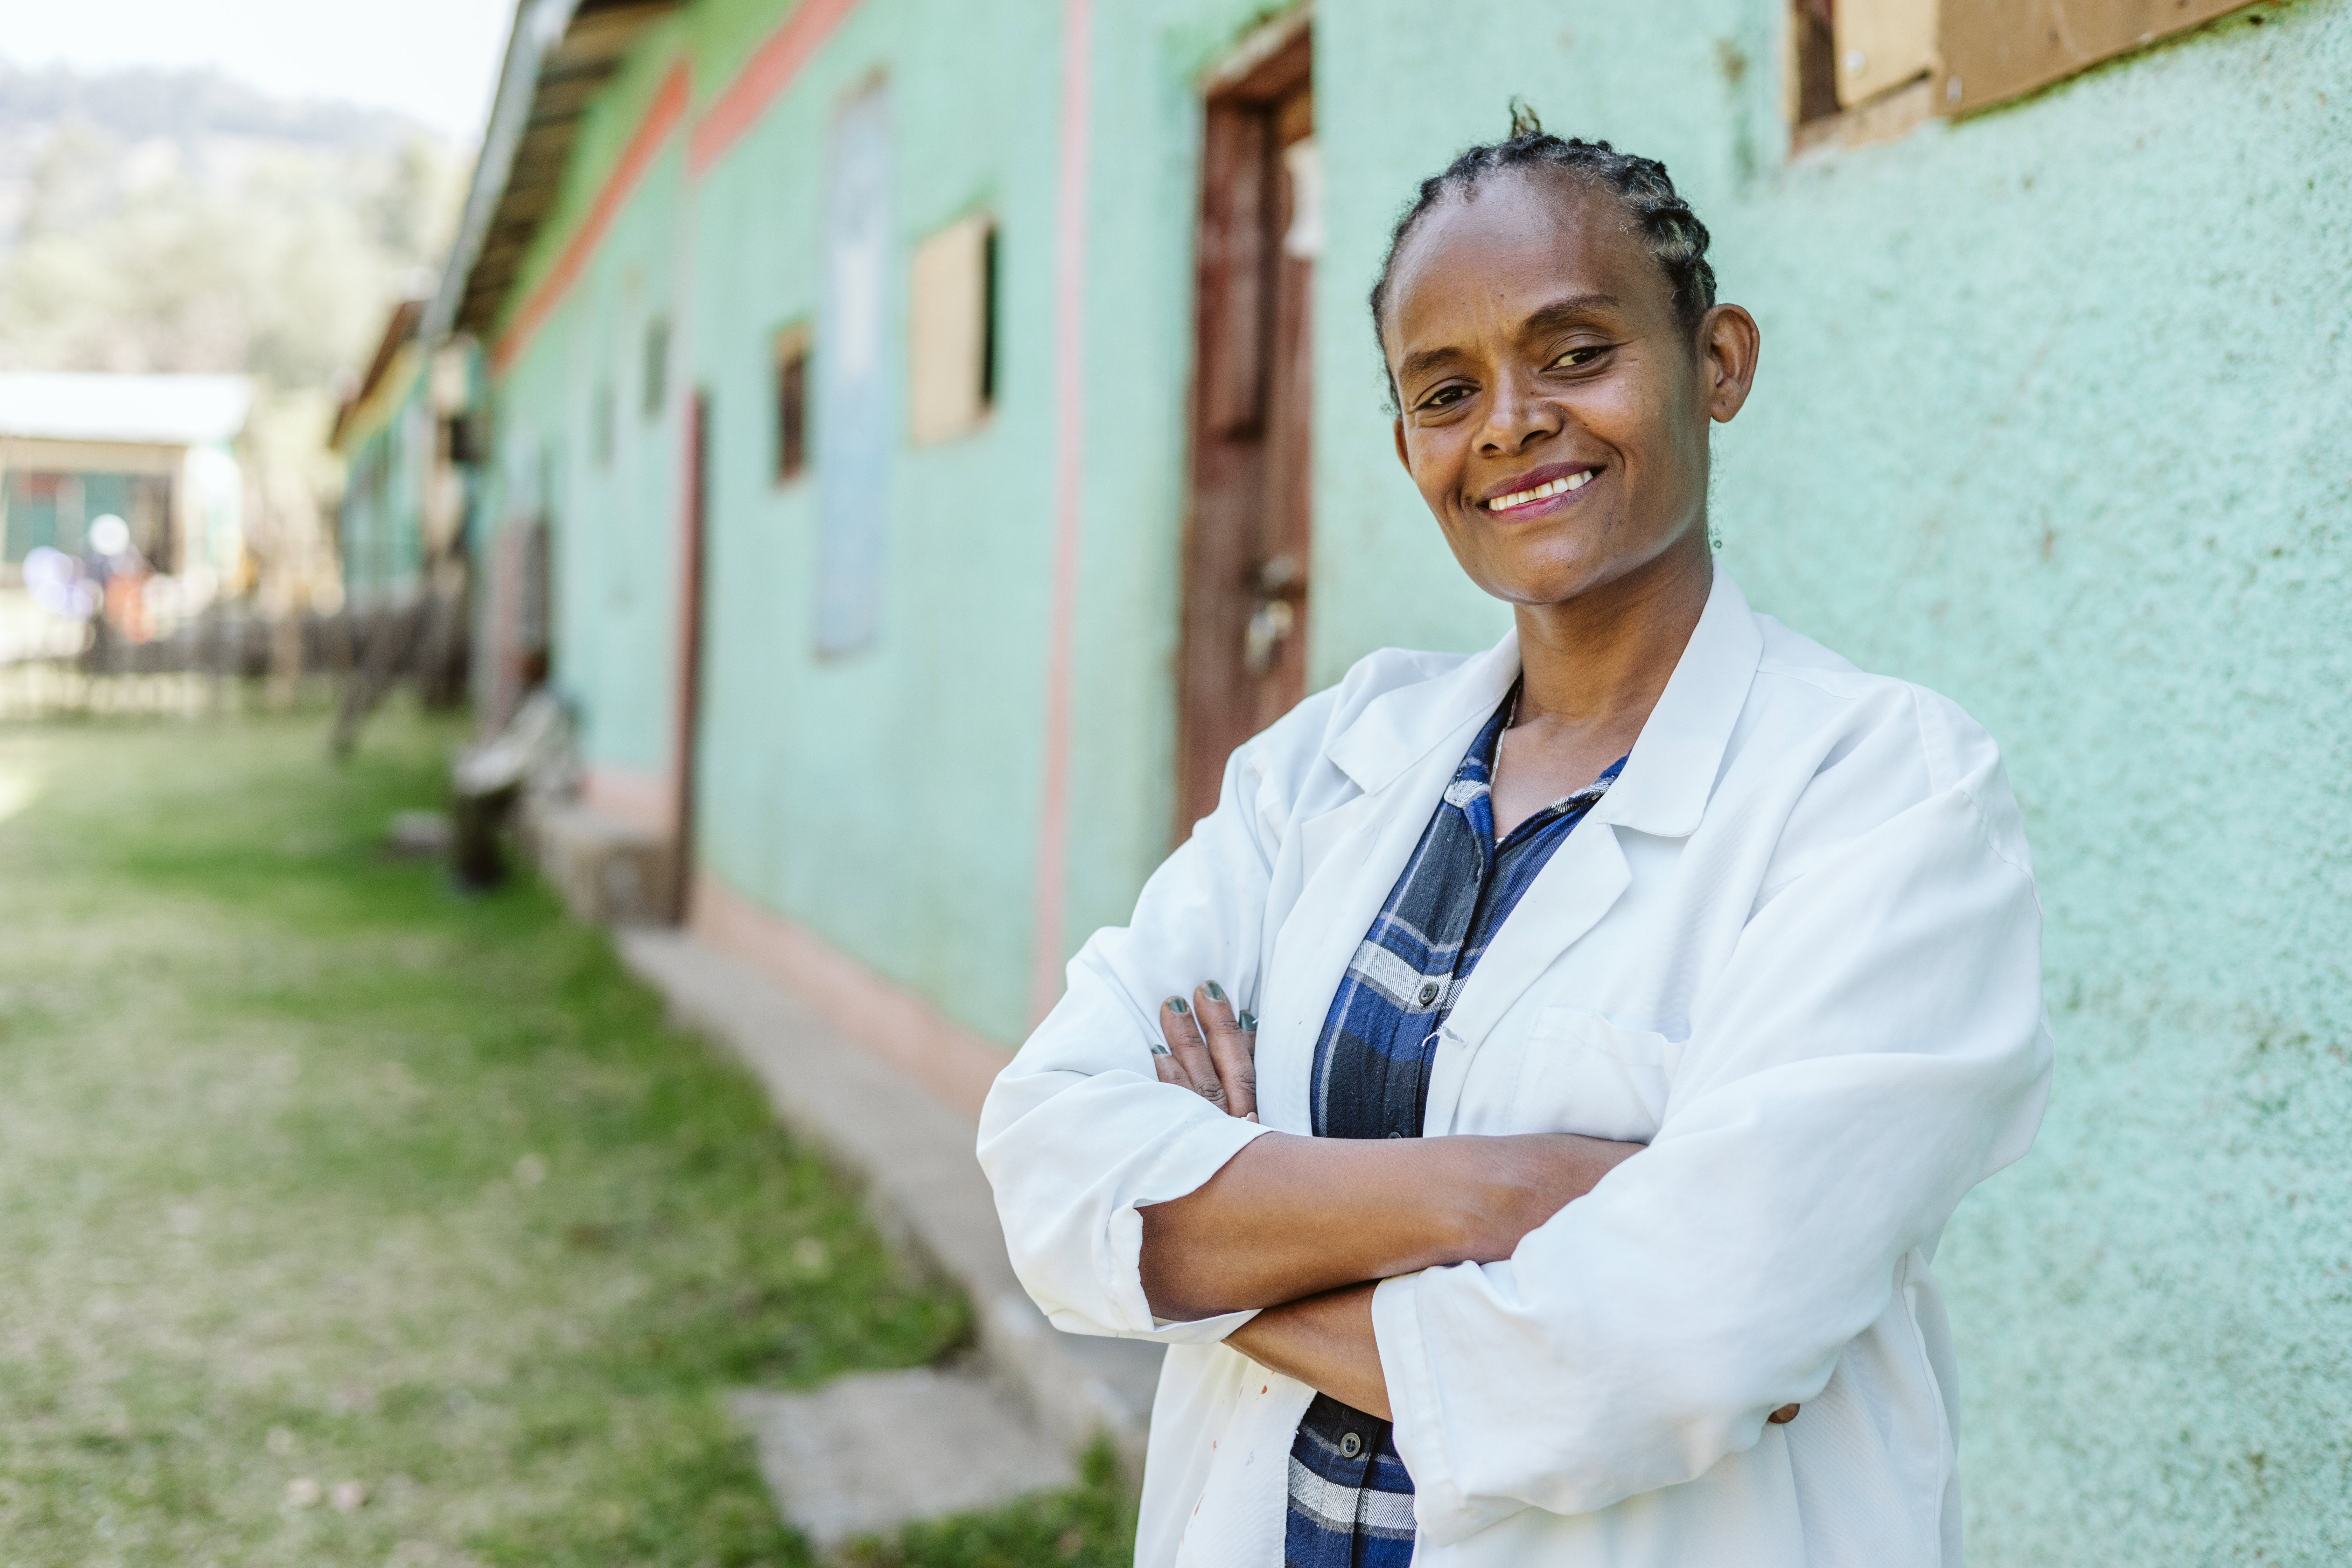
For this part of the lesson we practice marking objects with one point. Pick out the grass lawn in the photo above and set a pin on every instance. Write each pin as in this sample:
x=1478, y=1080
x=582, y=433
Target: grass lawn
x=345, y=1220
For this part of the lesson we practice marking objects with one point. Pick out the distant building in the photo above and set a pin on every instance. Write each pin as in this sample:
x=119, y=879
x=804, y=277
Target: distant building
x=405, y=439
x=159, y=451
x=402, y=438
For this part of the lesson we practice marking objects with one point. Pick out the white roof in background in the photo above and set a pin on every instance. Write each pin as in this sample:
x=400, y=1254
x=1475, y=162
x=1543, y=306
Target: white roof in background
x=176, y=410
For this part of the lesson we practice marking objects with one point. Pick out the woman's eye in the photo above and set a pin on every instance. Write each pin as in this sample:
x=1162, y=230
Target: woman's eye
x=1445, y=397
x=1575, y=357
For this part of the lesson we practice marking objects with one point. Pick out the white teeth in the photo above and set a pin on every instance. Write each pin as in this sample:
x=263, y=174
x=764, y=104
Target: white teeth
x=1543, y=491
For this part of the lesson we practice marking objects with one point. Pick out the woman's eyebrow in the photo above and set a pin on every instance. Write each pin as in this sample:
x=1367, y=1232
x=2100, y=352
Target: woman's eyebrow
x=1422, y=360
x=1573, y=310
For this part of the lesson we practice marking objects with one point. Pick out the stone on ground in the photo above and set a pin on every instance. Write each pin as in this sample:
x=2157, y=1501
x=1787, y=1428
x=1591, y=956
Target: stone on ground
x=871, y=1451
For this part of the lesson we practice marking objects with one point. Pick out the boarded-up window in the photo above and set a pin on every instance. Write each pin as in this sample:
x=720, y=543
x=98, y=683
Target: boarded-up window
x=856, y=405
x=950, y=329
x=1881, y=46
x=1865, y=69
x=791, y=363
x=1996, y=49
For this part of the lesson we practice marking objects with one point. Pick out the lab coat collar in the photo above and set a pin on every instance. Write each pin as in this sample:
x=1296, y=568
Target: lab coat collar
x=1398, y=728
x=1664, y=788
x=1667, y=780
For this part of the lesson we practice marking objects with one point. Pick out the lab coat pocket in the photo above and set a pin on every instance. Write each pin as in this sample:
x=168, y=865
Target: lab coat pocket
x=1583, y=1074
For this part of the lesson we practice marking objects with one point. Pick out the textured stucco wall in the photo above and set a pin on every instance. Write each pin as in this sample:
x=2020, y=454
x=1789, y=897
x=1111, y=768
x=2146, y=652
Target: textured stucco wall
x=2051, y=418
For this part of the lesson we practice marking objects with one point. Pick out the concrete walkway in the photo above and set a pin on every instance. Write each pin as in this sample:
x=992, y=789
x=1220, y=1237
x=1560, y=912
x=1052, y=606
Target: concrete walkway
x=922, y=1181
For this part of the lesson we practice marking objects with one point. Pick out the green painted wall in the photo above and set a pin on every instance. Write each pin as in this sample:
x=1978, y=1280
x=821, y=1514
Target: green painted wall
x=2049, y=418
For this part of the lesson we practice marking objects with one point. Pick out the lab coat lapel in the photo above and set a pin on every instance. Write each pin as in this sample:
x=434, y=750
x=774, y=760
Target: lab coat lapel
x=1401, y=751
x=1584, y=878
x=1664, y=791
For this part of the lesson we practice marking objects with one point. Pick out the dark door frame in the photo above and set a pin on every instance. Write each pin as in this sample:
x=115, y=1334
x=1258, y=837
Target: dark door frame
x=693, y=548
x=1242, y=659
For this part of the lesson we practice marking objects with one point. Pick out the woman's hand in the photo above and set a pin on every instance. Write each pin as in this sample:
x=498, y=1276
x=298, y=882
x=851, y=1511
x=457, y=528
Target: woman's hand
x=1209, y=1050
x=1323, y=1336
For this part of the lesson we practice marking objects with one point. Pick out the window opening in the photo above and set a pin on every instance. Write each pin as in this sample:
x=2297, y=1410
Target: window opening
x=1813, y=60
x=791, y=375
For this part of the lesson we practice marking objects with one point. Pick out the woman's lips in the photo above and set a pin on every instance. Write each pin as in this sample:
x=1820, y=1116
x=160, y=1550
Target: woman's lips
x=1538, y=492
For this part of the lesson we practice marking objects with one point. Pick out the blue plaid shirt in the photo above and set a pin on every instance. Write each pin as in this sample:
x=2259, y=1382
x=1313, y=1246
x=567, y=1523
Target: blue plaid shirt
x=1350, y=1496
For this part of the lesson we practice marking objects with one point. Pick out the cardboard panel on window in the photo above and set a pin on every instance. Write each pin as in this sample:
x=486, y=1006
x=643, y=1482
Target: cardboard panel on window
x=947, y=332
x=1881, y=44
x=1996, y=49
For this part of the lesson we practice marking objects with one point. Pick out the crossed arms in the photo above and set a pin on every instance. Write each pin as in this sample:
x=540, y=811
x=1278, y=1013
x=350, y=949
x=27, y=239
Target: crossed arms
x=1305, y=1228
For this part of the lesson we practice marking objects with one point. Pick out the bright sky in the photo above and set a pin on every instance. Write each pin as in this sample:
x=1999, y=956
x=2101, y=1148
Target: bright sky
x=435, y=59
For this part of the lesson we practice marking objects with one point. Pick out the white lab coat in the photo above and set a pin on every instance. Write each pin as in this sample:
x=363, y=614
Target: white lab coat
x=1796, y=949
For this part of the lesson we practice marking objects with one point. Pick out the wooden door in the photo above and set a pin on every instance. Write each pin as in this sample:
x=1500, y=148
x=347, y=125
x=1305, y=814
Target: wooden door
x=1244, y=658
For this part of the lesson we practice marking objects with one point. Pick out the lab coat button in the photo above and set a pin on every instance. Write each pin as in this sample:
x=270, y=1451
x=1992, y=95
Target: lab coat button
x=1350, y=1445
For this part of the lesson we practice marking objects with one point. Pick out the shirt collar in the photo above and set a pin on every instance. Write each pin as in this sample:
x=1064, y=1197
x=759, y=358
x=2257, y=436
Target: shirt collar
x=1671, y=771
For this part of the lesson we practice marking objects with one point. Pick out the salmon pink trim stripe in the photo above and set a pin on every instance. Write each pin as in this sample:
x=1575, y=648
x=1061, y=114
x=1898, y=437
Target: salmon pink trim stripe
x=662, y=117
x=1050, y=893
x=765, y=76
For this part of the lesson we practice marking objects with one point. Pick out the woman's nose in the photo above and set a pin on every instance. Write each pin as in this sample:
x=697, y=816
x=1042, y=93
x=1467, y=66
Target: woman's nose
x=1516, y=417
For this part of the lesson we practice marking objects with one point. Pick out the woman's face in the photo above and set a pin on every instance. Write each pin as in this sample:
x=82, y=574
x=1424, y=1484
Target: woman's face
x=1552, y=410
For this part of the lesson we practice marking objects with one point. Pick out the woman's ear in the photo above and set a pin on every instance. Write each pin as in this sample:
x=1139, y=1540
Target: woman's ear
x=1729, y=344
x=1399, y=427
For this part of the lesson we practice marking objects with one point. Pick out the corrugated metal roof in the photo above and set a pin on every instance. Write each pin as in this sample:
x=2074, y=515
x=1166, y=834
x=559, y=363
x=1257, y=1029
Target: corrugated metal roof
x=560, y=54
x=170, y=410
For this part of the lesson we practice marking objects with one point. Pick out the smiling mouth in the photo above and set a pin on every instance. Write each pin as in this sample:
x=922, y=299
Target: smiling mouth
x=1542, y=492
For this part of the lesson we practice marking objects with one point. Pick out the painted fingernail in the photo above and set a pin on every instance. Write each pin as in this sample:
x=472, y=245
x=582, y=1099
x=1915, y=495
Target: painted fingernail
x=1159, y=1048
x=1216, y=992
x=1248, y=1022
x=1176, y=1005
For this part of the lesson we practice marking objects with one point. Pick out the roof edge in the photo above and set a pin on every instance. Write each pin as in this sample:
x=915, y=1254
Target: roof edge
x=539, y=25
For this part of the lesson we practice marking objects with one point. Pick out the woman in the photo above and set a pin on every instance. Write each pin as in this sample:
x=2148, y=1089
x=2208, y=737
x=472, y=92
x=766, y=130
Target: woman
x=1715, y=961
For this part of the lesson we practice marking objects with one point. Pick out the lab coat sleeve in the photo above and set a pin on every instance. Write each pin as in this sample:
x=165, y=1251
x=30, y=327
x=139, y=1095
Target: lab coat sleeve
x=1078, y=1133
x=1874, y=1045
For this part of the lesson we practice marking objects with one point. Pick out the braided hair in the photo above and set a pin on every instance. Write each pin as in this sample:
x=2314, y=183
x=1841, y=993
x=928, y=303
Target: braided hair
x=1676, y=240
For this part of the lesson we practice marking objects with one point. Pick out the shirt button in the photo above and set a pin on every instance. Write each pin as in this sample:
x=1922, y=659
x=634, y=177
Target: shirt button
x=1429, y=993
x=1350, y=1445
